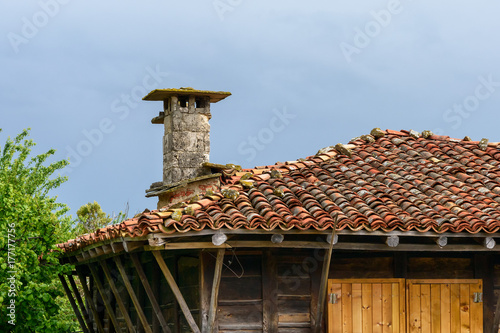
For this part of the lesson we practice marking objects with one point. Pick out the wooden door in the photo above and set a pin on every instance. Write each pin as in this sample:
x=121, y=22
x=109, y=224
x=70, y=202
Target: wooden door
x=366, y=306
x=444, y=306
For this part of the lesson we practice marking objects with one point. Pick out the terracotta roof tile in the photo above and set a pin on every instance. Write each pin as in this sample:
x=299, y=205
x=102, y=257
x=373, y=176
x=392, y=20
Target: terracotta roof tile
x=394, y=180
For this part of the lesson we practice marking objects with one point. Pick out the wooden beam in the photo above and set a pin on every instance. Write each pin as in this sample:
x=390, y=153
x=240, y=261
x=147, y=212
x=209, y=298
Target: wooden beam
x=118, y=298
x=116, y=247
x=441, y=241
x=323, y=245
x=90, y=300
x=392, y=241
x=86, y=314
x=131, y=246
x=496, y=320
x=149, y=292
x=324, y=281
x=105, y=300
x=212, y=314
x=175, y=289
x=133, y=296
x=73, y=304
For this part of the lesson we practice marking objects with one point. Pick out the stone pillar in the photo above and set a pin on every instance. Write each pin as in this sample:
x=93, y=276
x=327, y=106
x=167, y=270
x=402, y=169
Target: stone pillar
x=186, y=143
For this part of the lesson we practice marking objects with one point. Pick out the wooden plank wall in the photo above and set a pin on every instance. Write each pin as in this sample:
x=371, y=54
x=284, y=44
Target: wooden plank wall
x=240, y=294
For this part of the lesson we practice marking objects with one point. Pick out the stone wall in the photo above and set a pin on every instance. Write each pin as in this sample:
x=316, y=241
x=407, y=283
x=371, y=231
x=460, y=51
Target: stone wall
x=186, y=143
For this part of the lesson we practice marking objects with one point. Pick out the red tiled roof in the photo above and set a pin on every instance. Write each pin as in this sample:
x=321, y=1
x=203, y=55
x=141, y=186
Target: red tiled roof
x=390, y=181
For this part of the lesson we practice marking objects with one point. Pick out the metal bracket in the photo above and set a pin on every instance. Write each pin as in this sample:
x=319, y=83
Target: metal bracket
x=478, y=297
x=333, y=299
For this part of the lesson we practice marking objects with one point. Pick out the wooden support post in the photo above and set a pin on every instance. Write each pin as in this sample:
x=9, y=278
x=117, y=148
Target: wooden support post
x=392, y=241
x=73, y=304
x=118, y=298
x=175, y=289
x=149, y=292
x=90, y=300
x=133, y=297
x=102, y=292
x=86, y=314
x=324, y=281
x=269, y=293
x=212, y=313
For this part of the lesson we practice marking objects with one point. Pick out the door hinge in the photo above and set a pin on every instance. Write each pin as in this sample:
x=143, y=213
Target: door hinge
x=478, y=297
x=333, y=298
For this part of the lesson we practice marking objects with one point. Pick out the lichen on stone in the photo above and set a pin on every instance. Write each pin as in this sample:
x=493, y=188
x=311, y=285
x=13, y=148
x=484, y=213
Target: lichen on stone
x=427, y=134
x=246, y=176
x=278, y=192
x=483, y=144
x=343, y=149
x=367, y=138
x=377, y=132
x=276, y=174
x=230, y=194
x=177, y=215
x=246, y=183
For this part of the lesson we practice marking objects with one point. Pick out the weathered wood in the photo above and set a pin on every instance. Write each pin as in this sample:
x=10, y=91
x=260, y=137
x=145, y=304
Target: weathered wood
x=119, y=301
x=400, y=265
x=155, y=286
x=102, y=292
x=152, y=298
x=133, y=296
x=86, y=314
x=131, y=246
x=441, y=241
x=324, y=281
x=175, y=289
x=496, y=320
x=117, y=247
x=77, y=312
x=215, y=290
x=269, y=293
x=392, y=241
x=484, y=270
x=89, y=299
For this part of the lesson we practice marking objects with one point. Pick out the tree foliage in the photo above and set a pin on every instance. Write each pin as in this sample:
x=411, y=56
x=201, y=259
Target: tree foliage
x=31, y=223
x=90, y=218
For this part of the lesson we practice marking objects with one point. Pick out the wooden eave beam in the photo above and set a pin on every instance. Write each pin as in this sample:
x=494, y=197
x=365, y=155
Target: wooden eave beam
x=88, y=297
x=77, y=312
x=154, y=303
x=212, y=314
x=131, y=246
x=175, y=289
x=119, y=301
x=105, y=300
x=133, y=296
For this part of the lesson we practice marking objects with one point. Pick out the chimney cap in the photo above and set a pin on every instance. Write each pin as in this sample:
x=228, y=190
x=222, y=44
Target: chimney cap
x=163, y=94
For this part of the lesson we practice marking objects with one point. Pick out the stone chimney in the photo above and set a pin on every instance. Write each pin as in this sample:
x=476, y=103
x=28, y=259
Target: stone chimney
x=186, y=142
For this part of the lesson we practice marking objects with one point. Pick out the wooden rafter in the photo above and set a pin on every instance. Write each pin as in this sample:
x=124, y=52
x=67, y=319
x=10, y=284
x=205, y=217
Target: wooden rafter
x=88, y=297
x=212, y=313
x=133, y=296
x=324, y=281
x=86, y=314
x=149, y=292
x=105, y=300
x=119, y=301
x=175, y=289
x=73, y=304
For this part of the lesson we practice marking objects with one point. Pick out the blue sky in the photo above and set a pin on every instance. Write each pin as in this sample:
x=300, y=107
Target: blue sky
x=304, y=75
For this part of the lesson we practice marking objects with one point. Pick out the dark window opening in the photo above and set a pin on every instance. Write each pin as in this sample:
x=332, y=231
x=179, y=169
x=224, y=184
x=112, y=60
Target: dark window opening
x=200, y=103
x=183, y=102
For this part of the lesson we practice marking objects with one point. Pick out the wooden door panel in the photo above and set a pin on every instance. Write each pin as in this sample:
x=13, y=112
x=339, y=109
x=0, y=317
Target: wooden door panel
x=366, y=306
x=444, y=306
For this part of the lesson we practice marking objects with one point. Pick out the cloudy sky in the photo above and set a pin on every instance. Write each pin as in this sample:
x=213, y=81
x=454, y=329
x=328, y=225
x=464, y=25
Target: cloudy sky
x=304, y=75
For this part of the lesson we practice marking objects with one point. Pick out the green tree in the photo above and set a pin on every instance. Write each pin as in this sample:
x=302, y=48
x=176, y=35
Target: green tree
x=90, y=218
x=31, y=223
